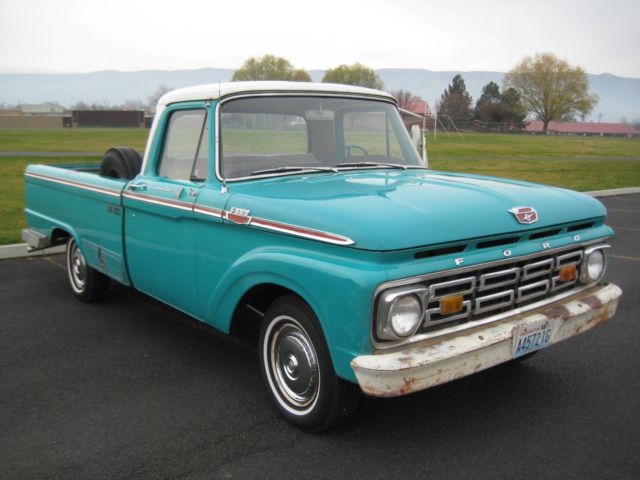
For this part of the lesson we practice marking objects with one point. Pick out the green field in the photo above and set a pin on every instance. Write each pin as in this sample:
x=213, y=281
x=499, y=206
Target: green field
x=580, y=163
x=72, y=139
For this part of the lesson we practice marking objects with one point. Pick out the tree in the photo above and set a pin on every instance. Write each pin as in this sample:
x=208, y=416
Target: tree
x=551, y=88
x=493, y=106
x=490, y=94
x=152, y=101
x=455, y=100
x=269, y=67
x=516, y=112
x=405, y=98
x=133, y=105
x=82, y=105
x=356, y=74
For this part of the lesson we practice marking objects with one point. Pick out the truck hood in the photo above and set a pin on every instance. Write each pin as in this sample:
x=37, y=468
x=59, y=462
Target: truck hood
x=395, y=209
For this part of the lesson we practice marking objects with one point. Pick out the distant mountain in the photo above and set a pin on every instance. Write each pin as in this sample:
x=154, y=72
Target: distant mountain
x=619, y=96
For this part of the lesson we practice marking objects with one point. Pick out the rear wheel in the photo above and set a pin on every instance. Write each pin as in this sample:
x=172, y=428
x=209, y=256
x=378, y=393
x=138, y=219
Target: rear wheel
x=121, y=162
x=297, y=369
x=87, y=284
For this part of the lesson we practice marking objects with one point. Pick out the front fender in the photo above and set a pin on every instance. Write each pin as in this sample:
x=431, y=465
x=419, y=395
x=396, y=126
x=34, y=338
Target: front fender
x=339, y=292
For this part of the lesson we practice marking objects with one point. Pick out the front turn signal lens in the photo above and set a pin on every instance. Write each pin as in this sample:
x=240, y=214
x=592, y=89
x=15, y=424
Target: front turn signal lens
x=568, y=273
x=451, y=304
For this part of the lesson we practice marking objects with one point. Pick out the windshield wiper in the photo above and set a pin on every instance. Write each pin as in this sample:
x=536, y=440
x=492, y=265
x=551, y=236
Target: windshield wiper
x=293, y=169
x=370, y=164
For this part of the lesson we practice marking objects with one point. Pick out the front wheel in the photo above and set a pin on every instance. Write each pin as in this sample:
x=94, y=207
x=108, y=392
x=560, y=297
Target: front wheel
x=297, y=369
x=87, y=284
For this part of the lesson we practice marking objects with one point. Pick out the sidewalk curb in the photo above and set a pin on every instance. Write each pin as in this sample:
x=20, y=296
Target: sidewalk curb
x=19, y=250
x=611, y=193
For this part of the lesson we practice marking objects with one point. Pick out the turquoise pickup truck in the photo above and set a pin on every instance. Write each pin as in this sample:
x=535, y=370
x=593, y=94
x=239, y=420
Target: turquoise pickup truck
x=300, y=216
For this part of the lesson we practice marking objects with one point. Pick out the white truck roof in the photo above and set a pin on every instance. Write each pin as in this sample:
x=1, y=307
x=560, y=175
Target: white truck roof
x=219, y=90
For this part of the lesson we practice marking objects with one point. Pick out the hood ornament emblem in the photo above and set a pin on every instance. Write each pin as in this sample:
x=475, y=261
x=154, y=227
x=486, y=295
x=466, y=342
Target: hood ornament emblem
x=526, y=215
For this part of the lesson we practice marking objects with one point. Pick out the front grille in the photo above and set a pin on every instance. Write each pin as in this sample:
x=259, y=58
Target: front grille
x=495, y=289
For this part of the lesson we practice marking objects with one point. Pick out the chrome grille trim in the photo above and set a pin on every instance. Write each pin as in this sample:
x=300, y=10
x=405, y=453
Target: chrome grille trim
x=535, y=289
x=485, y=278
x=433, y=289
x=449, y=318
x=480, y=301
x=568, y=259
x=538, y=269
x=498, y=310
x=557, y=285
x=490, y=292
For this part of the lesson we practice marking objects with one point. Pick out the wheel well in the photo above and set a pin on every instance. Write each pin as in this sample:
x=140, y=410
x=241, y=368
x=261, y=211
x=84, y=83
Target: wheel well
x=245, y=323
x=59, y=236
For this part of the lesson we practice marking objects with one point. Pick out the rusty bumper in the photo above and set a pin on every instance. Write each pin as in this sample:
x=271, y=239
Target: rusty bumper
x=421, y=367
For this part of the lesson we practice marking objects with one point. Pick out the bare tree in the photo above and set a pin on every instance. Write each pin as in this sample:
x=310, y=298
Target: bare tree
x=405, y=98
x=133, y=105
x=152, y=100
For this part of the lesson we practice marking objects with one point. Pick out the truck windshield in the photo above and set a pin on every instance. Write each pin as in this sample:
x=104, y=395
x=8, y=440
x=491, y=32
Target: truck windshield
x=299, y=134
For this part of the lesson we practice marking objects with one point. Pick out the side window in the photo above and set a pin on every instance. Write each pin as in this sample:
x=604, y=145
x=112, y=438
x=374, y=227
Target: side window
x=186, y=149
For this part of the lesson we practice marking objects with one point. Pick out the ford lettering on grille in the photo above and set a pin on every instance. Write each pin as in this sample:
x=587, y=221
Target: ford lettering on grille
x=495, y=289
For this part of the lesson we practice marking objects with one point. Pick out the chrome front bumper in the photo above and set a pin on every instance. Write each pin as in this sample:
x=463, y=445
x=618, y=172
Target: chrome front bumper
x=423, y=366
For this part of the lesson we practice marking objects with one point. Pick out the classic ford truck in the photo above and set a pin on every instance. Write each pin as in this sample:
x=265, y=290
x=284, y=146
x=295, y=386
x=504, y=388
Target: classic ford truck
x=300, y=215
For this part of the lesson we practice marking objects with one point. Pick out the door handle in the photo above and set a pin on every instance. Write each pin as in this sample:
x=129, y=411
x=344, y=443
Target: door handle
x=138, y=186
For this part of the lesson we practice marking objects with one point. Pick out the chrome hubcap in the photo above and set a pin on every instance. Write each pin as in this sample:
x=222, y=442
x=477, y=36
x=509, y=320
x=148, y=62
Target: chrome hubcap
x=294, y=364
x=77, y=268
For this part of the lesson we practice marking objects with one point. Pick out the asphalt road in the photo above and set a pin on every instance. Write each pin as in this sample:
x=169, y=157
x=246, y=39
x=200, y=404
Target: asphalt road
x=132, y=389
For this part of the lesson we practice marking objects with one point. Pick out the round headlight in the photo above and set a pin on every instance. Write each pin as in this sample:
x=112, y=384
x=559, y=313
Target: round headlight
x=405, y=315
x=595, y=265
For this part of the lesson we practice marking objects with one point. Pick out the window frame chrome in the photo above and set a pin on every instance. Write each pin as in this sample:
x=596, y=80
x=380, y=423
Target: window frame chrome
x=218, y=127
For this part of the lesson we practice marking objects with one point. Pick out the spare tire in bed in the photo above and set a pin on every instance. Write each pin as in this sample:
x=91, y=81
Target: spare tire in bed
x=121, y=162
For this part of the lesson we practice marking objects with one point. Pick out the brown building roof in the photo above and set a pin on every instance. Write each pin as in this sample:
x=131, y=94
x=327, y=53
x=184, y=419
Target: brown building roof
x=421, y=107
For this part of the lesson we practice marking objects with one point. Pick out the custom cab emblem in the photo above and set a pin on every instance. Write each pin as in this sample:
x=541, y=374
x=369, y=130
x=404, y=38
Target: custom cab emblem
x=238, y=215
x=524, y=215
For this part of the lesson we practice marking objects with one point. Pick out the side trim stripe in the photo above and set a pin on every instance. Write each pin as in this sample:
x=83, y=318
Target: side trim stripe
x=302, y=232
x=186, y=206
x=212, y=212
x=72, y=183
x=275, y=226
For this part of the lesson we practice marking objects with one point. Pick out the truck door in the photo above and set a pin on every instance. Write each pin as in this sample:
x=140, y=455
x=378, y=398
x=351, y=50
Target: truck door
x=159, y=223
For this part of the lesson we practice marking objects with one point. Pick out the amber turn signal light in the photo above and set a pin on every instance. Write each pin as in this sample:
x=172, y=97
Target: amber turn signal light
x=568, y=273
x=451, y=304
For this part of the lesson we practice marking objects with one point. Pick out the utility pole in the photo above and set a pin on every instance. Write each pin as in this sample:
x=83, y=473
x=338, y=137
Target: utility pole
x=600, y=118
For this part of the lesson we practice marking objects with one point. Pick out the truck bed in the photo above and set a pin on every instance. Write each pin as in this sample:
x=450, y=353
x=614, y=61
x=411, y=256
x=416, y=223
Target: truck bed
x=75, y=199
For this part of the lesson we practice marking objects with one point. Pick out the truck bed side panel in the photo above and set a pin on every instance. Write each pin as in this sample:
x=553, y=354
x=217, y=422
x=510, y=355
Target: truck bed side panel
x=83, y=204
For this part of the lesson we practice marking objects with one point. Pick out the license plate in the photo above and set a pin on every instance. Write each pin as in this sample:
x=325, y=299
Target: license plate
x=531, y=337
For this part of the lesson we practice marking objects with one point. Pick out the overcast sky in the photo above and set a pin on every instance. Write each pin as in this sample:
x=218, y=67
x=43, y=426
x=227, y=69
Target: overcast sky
x=89, y=35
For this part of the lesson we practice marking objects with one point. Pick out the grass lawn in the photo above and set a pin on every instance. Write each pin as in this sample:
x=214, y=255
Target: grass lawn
x=72, y=139
x=12, y=194
x=580, y=163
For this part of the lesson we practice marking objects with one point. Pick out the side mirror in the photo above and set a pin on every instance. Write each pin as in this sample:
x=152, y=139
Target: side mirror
x=420, y=143
x=416, y=137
